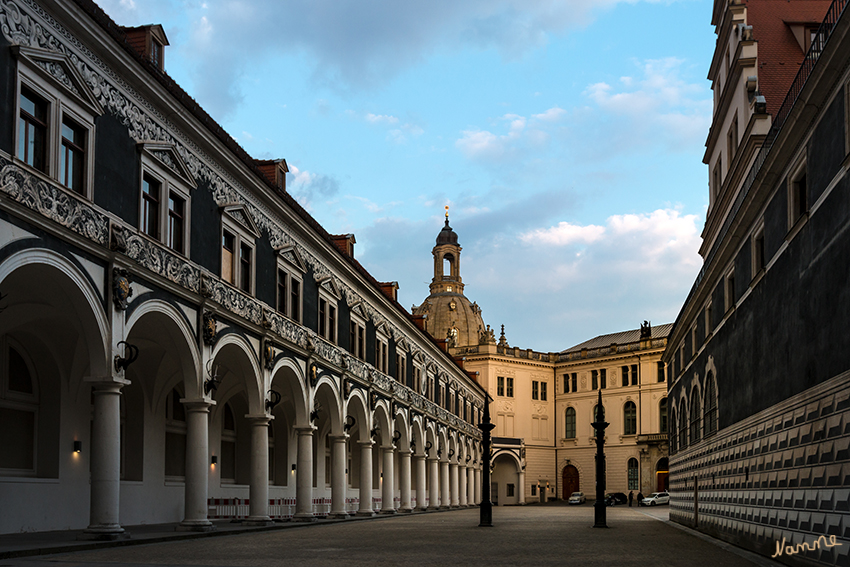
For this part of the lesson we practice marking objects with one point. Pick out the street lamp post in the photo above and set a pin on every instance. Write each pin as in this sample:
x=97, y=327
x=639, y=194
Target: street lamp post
x=599, y=510
x=486, y=520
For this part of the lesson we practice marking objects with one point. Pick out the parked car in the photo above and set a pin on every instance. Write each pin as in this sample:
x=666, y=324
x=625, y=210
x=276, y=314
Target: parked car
x=615, y=498
x=577, y=498
x=656, y=498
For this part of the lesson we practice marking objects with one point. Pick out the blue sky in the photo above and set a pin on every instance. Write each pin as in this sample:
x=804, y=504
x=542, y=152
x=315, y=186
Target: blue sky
x=566, y=136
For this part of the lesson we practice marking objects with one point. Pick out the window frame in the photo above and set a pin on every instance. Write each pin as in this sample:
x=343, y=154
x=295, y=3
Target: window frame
x=171, y=182
x=629, y=418
x=291, y=272
x=758, y=253
x=357, y=341
x=729, y=289
x=76, y=102
x=567, y=423
x=327, y=323
x=534, y=389
x=509, y=387
x=20, y=401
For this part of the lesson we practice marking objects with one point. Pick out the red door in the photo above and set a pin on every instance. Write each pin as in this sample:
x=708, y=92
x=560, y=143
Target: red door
x=570, y=479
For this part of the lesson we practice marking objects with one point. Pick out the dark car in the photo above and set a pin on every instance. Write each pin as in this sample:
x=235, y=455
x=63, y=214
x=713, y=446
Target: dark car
x=615, y=498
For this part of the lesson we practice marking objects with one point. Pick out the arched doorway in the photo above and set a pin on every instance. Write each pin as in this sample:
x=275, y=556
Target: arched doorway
x=662, y=476
x=570, y=481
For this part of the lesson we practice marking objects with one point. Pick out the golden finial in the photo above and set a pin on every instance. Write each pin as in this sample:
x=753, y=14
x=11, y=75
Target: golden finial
x=447, y=211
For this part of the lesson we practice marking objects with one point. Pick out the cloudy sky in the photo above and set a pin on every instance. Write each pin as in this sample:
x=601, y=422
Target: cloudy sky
x=566, y=136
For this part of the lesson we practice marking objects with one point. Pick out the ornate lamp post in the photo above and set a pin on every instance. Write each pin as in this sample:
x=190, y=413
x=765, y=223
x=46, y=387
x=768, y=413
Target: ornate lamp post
x=599, y=510
x=486, y=505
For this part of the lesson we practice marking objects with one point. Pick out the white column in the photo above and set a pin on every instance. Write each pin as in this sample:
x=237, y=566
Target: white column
x=445, y=494
x=470, y=485
x=421, y=489
x=387, y=489
x=434, y=489
x=197, y=467
x=304, y=476
x=105, y=462
x=259, y=490
x=338, y=455
x=365, y=479
x=478, y=484
x=404, y=480
x=521, y=483
x=454, y=485
x=462, y=475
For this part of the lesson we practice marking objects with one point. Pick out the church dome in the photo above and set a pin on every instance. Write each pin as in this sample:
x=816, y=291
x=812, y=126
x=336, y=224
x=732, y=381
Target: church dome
x=447, y=235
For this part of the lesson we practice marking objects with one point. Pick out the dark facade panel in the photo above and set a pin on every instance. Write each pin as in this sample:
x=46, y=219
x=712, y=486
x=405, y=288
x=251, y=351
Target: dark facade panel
x=205, y=233
x=776, y=221
x=117, y=171
x=8, y=86
x=310, y=305
x=266, y=271
x=743, y=270
x=826, y=148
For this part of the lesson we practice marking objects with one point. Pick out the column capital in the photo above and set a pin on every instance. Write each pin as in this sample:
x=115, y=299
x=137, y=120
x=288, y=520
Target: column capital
x=366, y=443
x=339, y=438
x=388, y=447
x=309, y=430
x=106, y=384
x=197, y=404
x=419, y=455
x=259, y=419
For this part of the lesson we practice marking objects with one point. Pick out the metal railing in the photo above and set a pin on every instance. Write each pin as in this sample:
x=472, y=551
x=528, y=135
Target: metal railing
x=819, y=41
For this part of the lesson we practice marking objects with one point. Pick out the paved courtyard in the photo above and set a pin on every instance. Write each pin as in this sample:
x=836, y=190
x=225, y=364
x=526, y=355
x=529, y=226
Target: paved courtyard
x=530, y=535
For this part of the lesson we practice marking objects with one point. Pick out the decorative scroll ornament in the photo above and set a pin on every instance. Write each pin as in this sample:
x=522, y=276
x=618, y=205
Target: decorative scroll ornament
x=121, y=290
x=268, y=355
x=117, y=239
x=346, y=387
x=313, y=372
x=373, y=400
x=274, y=399
x=209, y=327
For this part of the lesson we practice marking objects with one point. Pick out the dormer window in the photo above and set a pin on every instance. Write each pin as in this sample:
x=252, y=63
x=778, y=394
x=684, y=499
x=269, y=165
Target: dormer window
x=149, y=41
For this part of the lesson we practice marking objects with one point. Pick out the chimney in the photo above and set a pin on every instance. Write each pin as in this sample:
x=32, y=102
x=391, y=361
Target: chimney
x=274, y=170
x=149, y=41
x=390, y=289
x=345, y=243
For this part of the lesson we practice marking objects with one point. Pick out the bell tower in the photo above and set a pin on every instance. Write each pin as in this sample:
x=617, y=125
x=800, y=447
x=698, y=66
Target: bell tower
x=447, y=262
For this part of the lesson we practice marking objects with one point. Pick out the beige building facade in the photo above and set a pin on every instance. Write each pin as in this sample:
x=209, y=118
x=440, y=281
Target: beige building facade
x=542, y=403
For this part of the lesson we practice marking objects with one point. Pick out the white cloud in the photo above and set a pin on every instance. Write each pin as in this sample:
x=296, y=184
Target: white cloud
x=485, y=146
x=564, y=234
x=307, y=187
x=380, y=118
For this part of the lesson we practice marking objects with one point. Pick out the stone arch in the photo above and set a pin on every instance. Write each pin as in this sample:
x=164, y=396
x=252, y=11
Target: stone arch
x=234, y=354
x=381, y=420
x=326, y=394
x=417, y=435
x=401, y=425
x=357, y=407
x=506, y=467
x=565, y=474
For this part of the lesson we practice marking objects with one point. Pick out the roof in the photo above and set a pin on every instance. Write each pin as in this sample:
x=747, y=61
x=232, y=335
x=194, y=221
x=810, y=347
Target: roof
x=621, y=338
x=447, y=235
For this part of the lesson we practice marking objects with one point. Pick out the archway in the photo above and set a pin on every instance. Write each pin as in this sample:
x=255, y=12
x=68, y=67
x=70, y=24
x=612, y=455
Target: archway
x=504, y=482
x=570, y=481
x=662, y=475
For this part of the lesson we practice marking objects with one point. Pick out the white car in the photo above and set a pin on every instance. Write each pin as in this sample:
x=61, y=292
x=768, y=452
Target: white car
x=577, y=498
x=656, y=498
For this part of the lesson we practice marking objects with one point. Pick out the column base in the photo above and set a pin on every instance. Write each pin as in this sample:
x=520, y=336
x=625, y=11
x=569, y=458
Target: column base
x=304, y=517
x=195, y=526
x=258, y=521
x=339, y=515
x=405, y=510
x=444, y=508
x=390, y=511
x=365, y=513
x=103, y=533
x=432, y=508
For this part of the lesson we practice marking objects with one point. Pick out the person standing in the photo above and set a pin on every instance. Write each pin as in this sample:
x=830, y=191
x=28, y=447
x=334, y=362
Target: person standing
x=631, y=497
x=640, y=499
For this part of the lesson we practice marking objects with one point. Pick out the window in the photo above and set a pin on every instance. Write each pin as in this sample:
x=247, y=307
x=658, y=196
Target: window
x=543, y=391
x=534, y=490
x=573, y=382
x=509, y=389
x=290, y=271
x=238, y=234
x=662, y=414
x=534, y=394
x=566, y=379
x=382, y=353
x=634, y=474
x=798, y=196
x=151, y=189
x=710, y=405
x=72, y=156
x=625, y=371
x=673, y=425
x=417, y=379
x=758, y=251
x=55, y=118
x=166, y=188
x=500, y=386
x=709, y=326
x=732, y=139
x=357, y=338
x=176, y=222
x=401, y=366
x=327, y=317
x=594, y=380
x=510, y=490
x=603, y=378
x=32, y=130
x=175, y=437
x=18, y=412
x=696, y=417
x=630, y=419
x=660, y=371
x=570, y=424
x=683, y=428
x=729, y=290
x=717, y=176
x=694, y=340
x=634, y=374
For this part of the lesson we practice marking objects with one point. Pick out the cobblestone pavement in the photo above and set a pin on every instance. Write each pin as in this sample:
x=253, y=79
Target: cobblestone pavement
x=529, y=535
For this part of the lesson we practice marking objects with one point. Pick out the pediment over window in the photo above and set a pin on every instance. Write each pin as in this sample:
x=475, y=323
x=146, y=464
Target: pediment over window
x=167, y=156
x=327, y=283
x=240, y=215
x=57, y=69
x=291, y=256
x=401, y=344
x=357, y=309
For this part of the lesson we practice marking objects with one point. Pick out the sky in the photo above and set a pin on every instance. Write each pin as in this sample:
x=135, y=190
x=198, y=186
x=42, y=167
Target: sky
x=565, y=136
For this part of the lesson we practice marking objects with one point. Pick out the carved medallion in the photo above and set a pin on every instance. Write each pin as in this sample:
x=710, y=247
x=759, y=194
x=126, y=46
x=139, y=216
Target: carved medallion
x=268, y=355
x=117, y=239
x=121, y=291
x=209, y=327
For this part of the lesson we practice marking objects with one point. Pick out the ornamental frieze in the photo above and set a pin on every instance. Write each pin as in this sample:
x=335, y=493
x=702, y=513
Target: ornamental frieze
x=161, y=261
x=53, y=202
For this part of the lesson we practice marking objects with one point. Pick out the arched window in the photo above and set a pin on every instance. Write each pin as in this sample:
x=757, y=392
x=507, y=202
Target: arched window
x=175, y=436
x=228, y=446
x=696, y=417
x=570, y=421
x=447, y=264
x=662, y=414
x=634, y=474
x=683, y=426
x=710, y=405
x=630, y=419
x=18, y=412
